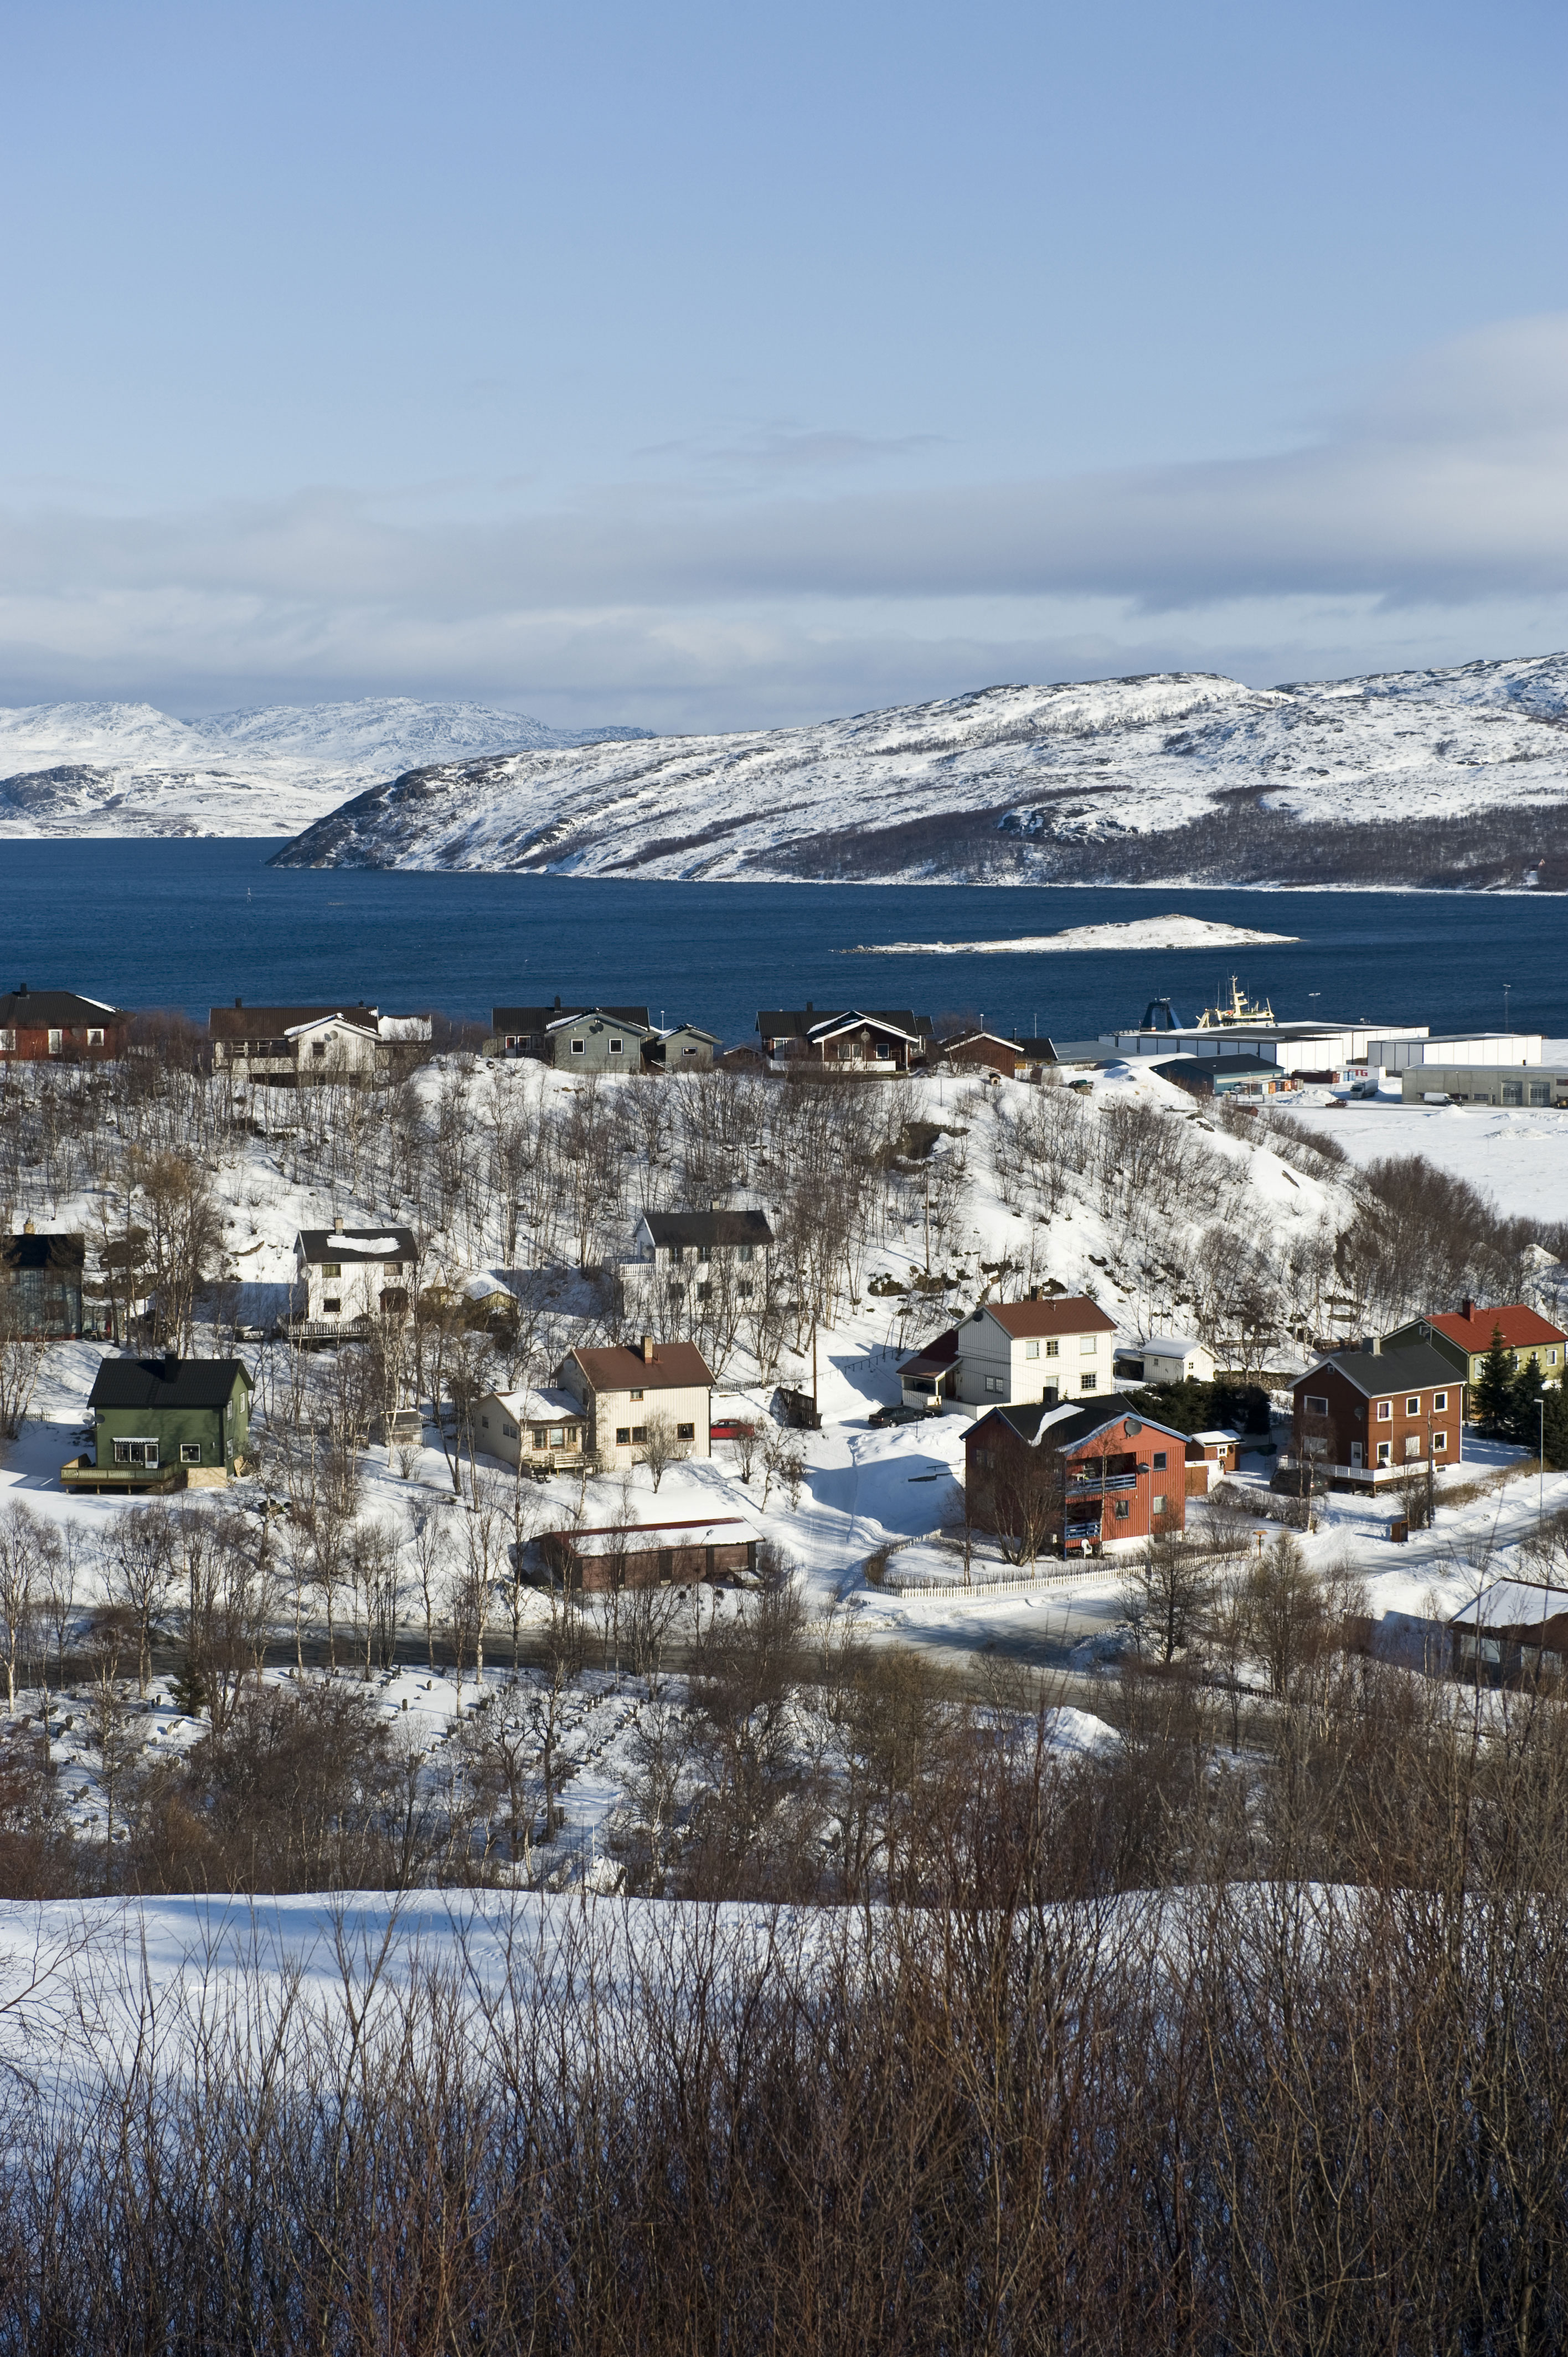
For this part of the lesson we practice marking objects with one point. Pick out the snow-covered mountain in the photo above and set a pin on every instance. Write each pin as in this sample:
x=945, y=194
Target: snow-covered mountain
x=128, y=768
x=1455, y=777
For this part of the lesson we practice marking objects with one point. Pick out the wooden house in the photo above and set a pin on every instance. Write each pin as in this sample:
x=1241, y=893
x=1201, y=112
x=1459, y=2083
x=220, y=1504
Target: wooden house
x=293, y=1047
x=38, y=1025
x=535, y=1030
x=41, y=1289
x=346, y=1278
x=987, y=1048
x=852, y=1038
x=1166, y=1358
x=538, y=1430
x=682, y=1048
x=650, y=1555
x=1464, y=1337
x=1364, y=1417
x=691, y=1250
x=1074, y=1477
x=1049, y=1348
x=163, y=1424
x=624, y=1388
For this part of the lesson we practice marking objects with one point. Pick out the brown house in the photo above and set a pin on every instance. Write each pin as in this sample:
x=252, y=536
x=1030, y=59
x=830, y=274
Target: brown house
x=38, y=1024
x=987, y=1048
x=1363, y=1417
x=1066, y=1479
x=860, y=1038
x=650, y=1555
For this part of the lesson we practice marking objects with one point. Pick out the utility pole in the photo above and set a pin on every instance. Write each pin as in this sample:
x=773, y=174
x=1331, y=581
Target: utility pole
x=815, y=1409
x=1541, y=1492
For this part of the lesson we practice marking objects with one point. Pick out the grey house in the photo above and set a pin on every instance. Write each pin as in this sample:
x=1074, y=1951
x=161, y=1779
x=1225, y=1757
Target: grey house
x=41, y=1287
x=530, y=1030
x=688, y=1248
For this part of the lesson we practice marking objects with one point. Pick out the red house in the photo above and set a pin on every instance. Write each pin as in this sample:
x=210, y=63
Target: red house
x=1068, y=1478
x=1363, y=1417
x=37, y=1024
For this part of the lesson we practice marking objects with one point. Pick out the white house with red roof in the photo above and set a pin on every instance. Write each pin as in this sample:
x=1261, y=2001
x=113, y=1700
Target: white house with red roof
x=1050, y=1347
x=1464, y=1337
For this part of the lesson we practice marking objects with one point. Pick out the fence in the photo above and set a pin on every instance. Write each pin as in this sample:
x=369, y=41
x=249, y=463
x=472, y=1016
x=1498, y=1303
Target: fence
x=1067, y=1574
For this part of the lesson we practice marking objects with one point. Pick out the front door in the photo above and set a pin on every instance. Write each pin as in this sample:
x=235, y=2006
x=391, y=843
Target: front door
x=1355, y=1455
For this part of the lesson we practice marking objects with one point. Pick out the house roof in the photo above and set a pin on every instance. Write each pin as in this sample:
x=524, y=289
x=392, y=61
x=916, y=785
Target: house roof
x=55, y=1251
x=1167, y=1346
x=242, y=1022
x=1038, y=1051
x=547, y=1406
x=167, y=1383
x=685, y=1031
x=810, y=1022
x=708, y=1227
x=613, y=1538
x=1376, y=1374
x=1064, y=1313
x=534, y=1021
x=358, y=1018
x=674, y=1366
x=1512, y=1604
x=1220, y=1068
x=318, y=1244
x=942, y=1352
x=1072, y=1422
x=43, y=1010
x=960, y=1040
x=1523, y=1327
x=628, y=1022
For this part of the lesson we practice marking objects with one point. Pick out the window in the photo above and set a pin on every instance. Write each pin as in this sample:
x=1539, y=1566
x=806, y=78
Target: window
x=1512, y=1092
x=677, y=1254
x=615, y=1046
x=484, y=1423
x=55, y=1040
x=509, y=1431
x=540, y=1435
x=136, y=1452
x=332, y=1306
x=1552, y=1358
x=1385, y=1452
x=1087, y=1345
x=1413, y=1405
x=1053, y=1350
x=743, y=1287
x=995, y=1383
x=639, y=1434
x=1031, y=1349
x=1160, y=1460
x=1089, y=1382
x=745, y=1252
x=1540, y=1093
x=1440, y=1444
x=1157, y=1503
x=675, y=1289
x=331, y=1268
x=704, y=1292
x=1412, y=1445
x=1314, y=1405
x=573, y=1437
x=394, y=1268
x=623, y=1435
x=190, y=1452
x=7, y=1042
x=983, y=1456
x=1439, y=1402
x=577, y=1048
x=1122, y=1508
x=318, y=1046
x=557, y=1435
x=1385, y=1411
x=95, y=1038
x=636, y=1395
x=685, y=1432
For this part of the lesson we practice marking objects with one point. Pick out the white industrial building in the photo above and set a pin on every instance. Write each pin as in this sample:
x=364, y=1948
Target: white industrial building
x=1397, y=1052
x=1320, y=1047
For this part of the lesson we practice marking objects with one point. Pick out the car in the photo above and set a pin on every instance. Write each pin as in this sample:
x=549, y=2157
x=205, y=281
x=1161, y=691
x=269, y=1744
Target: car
x=899, y=1414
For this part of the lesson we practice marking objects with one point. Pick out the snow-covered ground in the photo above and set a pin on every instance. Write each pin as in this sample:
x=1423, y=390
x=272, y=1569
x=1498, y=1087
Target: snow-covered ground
x=1035, y=769
x=128, y=768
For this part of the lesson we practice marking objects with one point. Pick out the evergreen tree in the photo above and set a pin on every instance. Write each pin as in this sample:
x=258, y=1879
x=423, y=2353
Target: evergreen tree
x=1524, y=1405
x=1492, y=1395
x=1556, y=1427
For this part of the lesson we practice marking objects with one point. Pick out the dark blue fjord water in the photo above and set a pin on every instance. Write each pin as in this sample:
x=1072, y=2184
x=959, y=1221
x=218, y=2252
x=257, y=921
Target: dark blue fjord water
x=190, y=924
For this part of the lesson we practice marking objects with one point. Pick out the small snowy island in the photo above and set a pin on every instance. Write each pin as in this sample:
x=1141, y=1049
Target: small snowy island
x=1170, y=932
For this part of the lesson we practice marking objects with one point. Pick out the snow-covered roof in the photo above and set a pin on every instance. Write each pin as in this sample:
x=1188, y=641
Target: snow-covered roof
x=1218, y=1439
x=357, y=1243
x=1512, y=1604
x=636, y=1538
x=544, y=1407
x=355, y=1022
x=1169, y=1345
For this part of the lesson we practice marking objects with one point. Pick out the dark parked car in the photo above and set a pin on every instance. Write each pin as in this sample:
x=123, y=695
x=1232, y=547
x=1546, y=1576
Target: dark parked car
x=899, y=1414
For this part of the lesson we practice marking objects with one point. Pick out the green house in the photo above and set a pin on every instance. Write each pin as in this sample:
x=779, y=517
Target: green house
x=166, y=1424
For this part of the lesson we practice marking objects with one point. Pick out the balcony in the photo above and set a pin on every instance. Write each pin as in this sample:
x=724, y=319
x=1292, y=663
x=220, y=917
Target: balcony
x=1109, y=1485
x=1368, y=1477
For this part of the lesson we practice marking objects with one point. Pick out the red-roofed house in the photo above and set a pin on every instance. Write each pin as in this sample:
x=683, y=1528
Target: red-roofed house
x=1055, y=1347
x=626, y=1387
x=1464, y=1337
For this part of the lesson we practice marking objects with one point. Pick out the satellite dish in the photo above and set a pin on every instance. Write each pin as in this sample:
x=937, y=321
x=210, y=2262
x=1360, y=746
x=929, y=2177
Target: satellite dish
x=1134, y=1428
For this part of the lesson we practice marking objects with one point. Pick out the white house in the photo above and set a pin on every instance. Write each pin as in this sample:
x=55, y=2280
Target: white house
x=1058, y=1347
x=538, y=1429
x=346, y=1277
x=688, y=1248
x=1166, y=1358
x=624, y=1389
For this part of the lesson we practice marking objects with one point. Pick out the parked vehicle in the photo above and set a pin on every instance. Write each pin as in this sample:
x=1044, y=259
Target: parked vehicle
x=899, y=1414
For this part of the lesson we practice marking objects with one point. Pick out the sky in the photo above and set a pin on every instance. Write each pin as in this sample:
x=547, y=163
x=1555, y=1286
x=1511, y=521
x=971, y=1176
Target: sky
x=708, y=366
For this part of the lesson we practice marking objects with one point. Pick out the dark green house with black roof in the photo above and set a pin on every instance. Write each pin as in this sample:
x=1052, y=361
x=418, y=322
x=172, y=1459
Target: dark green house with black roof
x=166, y=1424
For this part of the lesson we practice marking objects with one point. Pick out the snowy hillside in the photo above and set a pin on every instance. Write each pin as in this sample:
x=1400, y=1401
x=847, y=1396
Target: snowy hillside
x=1455, y=777
x=128, y=768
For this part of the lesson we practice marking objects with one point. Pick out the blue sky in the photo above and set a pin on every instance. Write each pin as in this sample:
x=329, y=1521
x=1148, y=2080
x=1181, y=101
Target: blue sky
x=703, y=366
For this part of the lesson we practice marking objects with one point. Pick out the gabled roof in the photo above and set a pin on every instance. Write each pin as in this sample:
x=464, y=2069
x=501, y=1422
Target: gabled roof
x=1064, y=1313
x=1038, y=1051
x=674, y=1366
x=1072, y=1422
x=356, y=1019
x=1512, y=1604
x=548, y=1407
x=810, y=1022
x=534, y=1021
x=59, y=1010
x=1168, y=1346
x=685, y=1031
x=1376, y=1374
x=600, y=1015
x=1523, y=1327
x=55, y=1251
x=708, y=1227
x=639, y=1538
x=942, y=1352
x=961, y=1040
x=167, y=1382
x=242, y=1022
x=365, y=1244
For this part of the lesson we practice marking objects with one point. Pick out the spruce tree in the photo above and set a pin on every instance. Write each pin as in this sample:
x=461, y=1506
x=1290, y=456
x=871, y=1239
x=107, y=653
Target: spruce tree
x=1492, y=1395
x=1556, y=1427
x=1524, y=1399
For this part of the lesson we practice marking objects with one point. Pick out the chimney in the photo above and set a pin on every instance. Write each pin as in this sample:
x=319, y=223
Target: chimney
x=647, y=1350
x=337, y=1225
x=558, y=999
x=238, y=1002
x=1372, y=1346
x=21, y=990
x=1468, y=1306
x=171, y=1366
x=29, y=1228
x=1034, y=1292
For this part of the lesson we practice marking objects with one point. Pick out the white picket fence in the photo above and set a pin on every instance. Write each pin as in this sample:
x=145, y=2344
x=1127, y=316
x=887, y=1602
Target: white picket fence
x=978, y=1591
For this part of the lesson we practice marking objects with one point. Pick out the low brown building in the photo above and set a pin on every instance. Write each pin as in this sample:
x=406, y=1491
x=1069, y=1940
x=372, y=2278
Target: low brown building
x=37, y=1026
x=650, y=1555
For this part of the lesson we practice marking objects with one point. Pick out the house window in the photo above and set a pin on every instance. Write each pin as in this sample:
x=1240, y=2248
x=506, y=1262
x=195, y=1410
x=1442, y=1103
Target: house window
x=615, y=1046
x=573, y=1435
x=1412, y=1445
x=1031, y=1349
x=995, y=1383
x=685, y=1432
x=983, y=1456
x=1385, y=1411
x=1087, y=1345
x=331, y=1268
x=675, y=1289
x=1440, y=1444
x=94, y=1037
x=1385, y=1452
x=743, y=1287
x=540, y=1436
x=318, y=1046
x=558, y=1436
x=136, y=1452
x=1439, y=1401
x=1314, y=1405
x=509, y=1431
x=704, y=1292
x=1089, y=1382
x=1159, y=1461
x=55, y=1042
x=639, y=1434
x=1122, y=1508
x=7, y=1042
x=332, y=1306
x=1552, y=1358
x=636, y=1395
x=1157, y=1503
x=1053, y=1350
x=577, y=1048
x=394, y=1268
x=484, y=1423
x=190, y=1452
x=748, y=1252
x=1413, y=1405
x=623, y=1435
